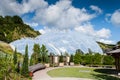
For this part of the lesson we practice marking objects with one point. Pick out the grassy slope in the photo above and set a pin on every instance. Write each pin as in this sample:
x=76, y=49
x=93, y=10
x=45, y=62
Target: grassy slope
x=105, y=46
x=13, y=28
x=6, y=48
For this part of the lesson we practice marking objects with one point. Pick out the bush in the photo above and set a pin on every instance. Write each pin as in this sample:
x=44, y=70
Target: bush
x=77, y=58
x=61, y=58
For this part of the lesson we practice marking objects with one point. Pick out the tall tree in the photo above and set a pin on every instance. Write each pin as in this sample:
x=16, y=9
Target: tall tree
x=25, y=63
x=97, y=59
x=71, y=58
x=108, y=60
x=44, y=52
x=15, y=57
x=36, y=56
x=61, y=58
x=77, y=57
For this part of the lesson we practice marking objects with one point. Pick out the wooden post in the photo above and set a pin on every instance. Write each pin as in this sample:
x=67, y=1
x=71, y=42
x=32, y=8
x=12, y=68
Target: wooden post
x=118, y=63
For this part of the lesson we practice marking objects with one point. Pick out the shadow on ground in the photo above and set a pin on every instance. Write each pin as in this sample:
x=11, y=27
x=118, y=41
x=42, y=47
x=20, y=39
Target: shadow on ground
x=106, y=74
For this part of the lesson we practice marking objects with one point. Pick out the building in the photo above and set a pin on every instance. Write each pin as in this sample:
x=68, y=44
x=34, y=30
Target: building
x=115, y=52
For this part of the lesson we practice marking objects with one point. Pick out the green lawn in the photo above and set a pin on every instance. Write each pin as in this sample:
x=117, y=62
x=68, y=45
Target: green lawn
x=91, y=73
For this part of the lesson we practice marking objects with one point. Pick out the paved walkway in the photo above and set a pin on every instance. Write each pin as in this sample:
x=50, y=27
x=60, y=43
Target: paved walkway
x=42, y=75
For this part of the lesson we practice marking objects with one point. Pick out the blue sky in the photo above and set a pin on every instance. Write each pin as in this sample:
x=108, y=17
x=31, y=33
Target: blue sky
x=108, y=7
x=96, y=18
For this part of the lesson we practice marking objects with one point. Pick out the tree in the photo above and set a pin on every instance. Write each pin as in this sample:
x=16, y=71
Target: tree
x=44, y=52
x=71, y=58
x=88, y=58
x=118, y=43
x=77, y=57
x=61, y=58
x=31, y=61
x=97, y=59
x=15, y=57
x=47, y=59
x=36, y=57
x=6, y=66
x=108, y=60
x=17, y=19
x=25, y=63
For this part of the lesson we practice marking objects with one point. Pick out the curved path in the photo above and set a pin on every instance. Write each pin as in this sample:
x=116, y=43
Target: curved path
x=42, y=75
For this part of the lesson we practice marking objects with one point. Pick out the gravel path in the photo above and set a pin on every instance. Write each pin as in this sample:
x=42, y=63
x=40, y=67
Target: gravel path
x=42, y=75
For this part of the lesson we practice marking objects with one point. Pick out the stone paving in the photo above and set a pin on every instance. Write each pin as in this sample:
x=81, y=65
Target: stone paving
x=42, y=75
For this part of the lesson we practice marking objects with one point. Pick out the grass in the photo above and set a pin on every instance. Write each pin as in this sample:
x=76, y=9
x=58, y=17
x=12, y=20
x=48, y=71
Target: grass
x=91, y=73
x=5, y=47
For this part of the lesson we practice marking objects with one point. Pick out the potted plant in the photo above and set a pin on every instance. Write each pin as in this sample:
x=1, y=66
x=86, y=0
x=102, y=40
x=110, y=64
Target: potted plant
x=61, y=64
x=71, y=60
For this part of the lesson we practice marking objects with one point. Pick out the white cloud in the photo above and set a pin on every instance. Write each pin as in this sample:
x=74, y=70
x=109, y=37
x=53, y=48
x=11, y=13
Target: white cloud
x=12, y=7
x=33, y=24
x=115, y=18
x=95, y=8
x=88, y=29
x=42, y=31
x=106, y=41
x=104, y=33
x=62, y=15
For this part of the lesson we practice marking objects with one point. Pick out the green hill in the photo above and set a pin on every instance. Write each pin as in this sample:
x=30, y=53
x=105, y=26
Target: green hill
x=105, y=46
x=13, y=28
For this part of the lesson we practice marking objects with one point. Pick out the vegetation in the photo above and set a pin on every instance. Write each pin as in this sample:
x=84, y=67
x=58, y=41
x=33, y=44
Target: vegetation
x=6, y=48
x=90, y=73
x=61, y=58
x=25, y=71
x=105, y=46
x=15, y=57
x=44, y=52
x=71, y=58
x=77, y=57
x=108, y=60
x=36, y=57
x=9, y=71
x=40, y=55
x=13, y=28
x=92, y=58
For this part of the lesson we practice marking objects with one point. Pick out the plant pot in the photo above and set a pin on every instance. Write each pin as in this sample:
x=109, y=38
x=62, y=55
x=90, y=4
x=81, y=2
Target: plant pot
x=61, y=64
x=47, y=65
x=31, y=74
x=72, y=64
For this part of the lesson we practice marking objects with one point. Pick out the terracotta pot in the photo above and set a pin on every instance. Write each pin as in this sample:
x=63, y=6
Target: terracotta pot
x=30, y=74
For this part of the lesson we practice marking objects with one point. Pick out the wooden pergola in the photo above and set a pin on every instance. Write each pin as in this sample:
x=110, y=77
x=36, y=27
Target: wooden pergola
x=116, y=54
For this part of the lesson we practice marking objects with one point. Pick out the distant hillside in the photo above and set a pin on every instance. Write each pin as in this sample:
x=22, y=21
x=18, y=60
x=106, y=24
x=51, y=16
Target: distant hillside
x=13, y=28
x=6, y=48
x=105, y=46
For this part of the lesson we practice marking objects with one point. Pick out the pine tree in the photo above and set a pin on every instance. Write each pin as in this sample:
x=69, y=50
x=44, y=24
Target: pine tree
x=71, y=58
x=61, y=58
x=77, y=57
x=36, y=56
x=44, y=52
x=25, y=63
x=15, y=57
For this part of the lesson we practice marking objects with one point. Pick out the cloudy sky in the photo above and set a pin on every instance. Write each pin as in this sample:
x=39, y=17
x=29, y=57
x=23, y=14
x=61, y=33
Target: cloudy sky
x=96, y=18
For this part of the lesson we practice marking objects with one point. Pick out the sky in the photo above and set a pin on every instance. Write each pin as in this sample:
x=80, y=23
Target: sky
x=99, y=19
